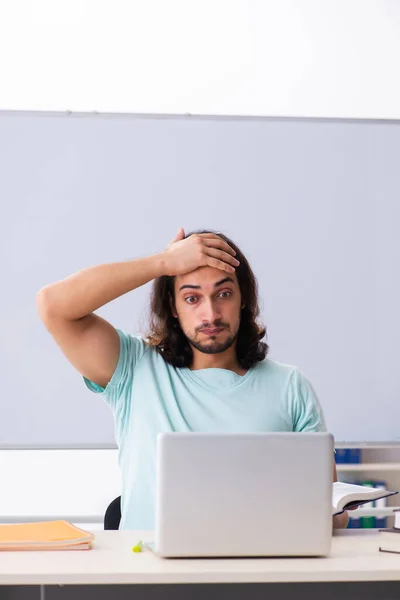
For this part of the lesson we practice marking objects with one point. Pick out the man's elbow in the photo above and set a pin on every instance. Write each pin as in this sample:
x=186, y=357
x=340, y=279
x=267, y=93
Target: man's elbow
x=43, y=303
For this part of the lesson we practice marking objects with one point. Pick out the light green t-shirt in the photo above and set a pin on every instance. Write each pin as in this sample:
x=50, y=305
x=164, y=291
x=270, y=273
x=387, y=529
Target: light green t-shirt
x=148, y=396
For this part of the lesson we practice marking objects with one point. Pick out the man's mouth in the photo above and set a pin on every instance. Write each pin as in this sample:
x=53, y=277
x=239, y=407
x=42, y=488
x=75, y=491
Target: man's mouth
x=213, y=331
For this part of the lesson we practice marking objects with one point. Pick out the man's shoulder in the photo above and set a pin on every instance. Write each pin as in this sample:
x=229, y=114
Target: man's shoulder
x=137, y=339
x=268, y=364
x=139, y=347
x=270, y=367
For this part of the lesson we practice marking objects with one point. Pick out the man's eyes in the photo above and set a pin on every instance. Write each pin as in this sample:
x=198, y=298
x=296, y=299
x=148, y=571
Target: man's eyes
x=193, y=299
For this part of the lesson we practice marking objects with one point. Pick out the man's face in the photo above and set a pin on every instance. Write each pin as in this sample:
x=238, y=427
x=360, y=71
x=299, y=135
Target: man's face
x=208, y=304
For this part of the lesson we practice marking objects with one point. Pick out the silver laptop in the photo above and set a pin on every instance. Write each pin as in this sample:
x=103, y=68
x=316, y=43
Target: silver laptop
x=261, y=494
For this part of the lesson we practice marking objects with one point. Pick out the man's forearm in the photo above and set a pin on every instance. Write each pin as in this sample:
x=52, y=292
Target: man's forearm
x=85, y=291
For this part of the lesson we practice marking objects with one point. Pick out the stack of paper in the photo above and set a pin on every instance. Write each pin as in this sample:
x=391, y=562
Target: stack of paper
x=46, y=535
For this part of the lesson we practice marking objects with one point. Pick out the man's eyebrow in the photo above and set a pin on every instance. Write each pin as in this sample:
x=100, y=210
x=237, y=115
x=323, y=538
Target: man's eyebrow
x=225, y=280
x=191, y=287
x=198, y=287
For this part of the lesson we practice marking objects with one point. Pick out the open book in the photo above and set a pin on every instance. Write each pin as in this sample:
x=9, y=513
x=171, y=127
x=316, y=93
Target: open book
x=45, y=535
x=348, y=495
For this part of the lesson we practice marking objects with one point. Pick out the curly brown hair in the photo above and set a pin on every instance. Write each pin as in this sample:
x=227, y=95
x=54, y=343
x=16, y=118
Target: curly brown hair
x=166, y=334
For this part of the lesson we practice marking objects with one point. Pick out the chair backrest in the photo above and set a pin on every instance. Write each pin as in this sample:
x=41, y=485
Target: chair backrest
x=112, y=515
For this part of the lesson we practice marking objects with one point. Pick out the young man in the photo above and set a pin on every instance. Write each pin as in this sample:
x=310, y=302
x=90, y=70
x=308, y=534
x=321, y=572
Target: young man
x=202, y=367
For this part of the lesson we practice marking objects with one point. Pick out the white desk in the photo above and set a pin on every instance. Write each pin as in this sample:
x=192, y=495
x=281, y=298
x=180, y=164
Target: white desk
x=354, y=563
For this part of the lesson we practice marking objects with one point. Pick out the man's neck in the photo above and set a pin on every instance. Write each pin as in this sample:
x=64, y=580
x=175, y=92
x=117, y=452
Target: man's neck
x=226, y=360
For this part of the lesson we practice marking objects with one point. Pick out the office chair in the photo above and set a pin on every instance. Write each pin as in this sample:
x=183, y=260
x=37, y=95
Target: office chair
x=112, y=515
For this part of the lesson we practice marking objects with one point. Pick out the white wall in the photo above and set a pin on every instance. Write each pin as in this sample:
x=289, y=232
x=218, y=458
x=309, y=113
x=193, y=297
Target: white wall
x=76, y=485
x=330, y=58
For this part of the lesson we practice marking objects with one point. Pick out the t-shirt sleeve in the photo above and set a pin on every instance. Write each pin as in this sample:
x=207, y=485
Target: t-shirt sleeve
x=307, y=413
x=132, y=348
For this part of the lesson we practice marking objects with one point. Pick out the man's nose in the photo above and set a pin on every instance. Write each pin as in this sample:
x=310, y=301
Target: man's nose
x=211, y=312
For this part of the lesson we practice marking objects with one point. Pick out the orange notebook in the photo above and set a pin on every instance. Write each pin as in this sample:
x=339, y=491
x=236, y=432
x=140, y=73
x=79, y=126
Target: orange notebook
x=45, y=535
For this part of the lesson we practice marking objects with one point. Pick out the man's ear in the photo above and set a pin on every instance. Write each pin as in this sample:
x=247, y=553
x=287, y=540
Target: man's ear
x=172, y=306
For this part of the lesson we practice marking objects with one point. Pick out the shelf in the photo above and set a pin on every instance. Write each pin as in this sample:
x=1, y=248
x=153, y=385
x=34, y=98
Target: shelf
x=387, y=511
x=8, y=519
x=368, y=467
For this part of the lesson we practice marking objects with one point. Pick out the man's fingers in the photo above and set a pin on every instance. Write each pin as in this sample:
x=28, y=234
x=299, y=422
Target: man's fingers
x=222, y=256
x=179, y=236
x=217, y=242
x=219, y=264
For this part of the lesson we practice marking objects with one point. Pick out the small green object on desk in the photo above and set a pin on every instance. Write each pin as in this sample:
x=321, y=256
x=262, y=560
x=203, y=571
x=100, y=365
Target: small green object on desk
x=138, y=547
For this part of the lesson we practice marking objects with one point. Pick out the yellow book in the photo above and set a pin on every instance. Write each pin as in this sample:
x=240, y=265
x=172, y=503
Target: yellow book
x=44, y=535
